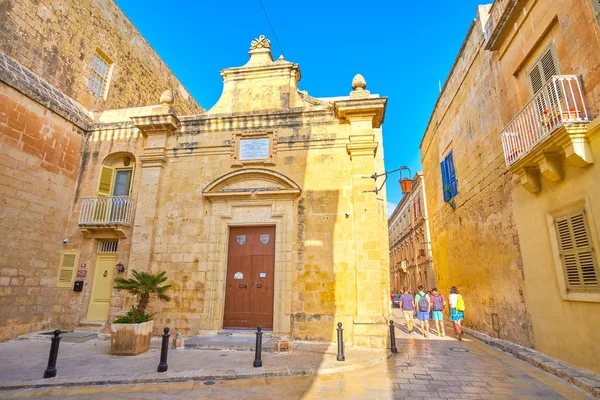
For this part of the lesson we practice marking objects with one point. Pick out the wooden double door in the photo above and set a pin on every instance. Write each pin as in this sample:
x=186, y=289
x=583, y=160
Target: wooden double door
x=249, y=286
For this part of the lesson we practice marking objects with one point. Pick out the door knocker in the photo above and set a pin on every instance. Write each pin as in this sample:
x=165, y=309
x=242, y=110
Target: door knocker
x=105, y=273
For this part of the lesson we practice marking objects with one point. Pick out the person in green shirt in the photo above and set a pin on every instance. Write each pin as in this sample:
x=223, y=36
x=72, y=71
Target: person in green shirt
x=423, y=308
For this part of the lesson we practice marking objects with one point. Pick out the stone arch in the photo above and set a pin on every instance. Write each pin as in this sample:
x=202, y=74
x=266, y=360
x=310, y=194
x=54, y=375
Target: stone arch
x=252, y=183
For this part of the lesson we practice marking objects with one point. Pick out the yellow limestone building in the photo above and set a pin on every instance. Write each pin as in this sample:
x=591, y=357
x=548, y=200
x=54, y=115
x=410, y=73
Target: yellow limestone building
x=257, y=209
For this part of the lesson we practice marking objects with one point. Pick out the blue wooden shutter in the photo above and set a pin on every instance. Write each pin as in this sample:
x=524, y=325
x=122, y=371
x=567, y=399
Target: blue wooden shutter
x=444, y=173
x=451, y=175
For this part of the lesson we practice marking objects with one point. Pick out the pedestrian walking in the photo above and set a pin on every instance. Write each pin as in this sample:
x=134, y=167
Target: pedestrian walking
x=424, y=306
x=438, y=303
x=457, y=311
x=407, y=304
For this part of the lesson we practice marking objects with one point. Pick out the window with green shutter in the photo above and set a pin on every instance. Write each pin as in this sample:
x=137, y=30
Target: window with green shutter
x=577, y=252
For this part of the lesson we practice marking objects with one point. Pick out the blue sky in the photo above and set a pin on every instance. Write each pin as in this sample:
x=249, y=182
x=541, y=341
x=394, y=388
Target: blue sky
x=402, y=48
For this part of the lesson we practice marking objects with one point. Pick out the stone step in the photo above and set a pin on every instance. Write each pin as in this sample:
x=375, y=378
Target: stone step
x=91, y=326
x=228, y=342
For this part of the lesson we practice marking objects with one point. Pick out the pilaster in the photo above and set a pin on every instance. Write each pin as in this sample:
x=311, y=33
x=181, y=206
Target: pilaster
x=156, y=129
x=364, y=114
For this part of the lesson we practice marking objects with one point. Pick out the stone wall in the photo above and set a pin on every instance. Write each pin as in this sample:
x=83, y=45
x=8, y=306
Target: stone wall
x=475, y=246
x=58, y=40
x=39, y=167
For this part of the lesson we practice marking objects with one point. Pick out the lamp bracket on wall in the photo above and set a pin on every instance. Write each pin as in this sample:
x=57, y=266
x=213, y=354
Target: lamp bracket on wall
x=375, y=176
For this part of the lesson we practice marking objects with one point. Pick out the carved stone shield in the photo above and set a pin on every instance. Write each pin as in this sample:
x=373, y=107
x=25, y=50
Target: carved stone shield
x=264, y=239
x=241, y=239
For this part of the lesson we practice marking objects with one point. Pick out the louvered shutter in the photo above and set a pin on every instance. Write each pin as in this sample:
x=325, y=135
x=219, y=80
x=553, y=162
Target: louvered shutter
x=535, y=78
x=66, y=271
x=577, y=252
x=106, y=181
x=444, y=173
x=451, y=175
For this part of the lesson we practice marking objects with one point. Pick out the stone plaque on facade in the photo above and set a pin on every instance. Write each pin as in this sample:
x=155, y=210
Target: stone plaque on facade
x=254, y=149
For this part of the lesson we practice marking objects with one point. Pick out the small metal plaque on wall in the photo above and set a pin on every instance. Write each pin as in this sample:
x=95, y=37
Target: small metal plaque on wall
x=81, y=274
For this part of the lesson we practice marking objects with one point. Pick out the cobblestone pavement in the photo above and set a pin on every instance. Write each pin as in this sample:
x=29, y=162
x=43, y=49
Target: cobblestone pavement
x=422, y=369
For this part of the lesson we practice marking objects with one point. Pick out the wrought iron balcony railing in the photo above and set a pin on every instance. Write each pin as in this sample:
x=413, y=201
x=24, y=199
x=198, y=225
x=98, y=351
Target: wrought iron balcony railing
x=104, y=211
x=558, y=102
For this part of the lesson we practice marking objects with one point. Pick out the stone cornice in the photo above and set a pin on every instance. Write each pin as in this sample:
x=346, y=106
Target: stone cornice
x=346, y=109
x=361, y=149
x=154, y=157
x=17, y=76
x=156, y=123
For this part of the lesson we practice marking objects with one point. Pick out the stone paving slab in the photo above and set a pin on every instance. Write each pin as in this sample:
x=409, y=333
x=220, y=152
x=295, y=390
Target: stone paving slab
x=88, y=363
x=423, y=369
x=586, y=380
x=581, y=378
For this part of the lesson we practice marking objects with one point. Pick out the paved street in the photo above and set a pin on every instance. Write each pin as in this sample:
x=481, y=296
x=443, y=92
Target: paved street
x=423, y=369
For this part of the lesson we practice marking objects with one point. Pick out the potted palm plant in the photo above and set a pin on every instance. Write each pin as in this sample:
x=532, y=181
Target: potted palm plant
x=131, y=334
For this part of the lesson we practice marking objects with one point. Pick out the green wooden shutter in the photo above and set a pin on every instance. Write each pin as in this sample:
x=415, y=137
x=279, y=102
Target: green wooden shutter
x=106, y=181
x=66, y=271
x=577, y=252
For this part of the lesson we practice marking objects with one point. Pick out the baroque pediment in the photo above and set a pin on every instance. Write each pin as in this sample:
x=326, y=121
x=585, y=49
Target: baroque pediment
x=252, y=183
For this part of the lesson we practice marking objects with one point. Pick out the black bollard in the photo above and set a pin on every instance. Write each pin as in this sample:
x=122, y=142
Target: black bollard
x=50, y=371
x=340, y=354
x=162, y=366
x=258, y=349
x=393, y=337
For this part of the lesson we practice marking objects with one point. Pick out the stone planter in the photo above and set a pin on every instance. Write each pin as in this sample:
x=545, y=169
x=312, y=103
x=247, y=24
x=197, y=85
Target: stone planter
x=130, y=339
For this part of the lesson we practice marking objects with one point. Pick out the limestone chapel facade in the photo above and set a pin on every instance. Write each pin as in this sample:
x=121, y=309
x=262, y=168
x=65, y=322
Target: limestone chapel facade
x=257, y=209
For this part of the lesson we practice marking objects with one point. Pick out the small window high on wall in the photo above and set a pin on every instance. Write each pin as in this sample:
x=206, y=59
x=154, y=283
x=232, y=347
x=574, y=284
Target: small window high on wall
x=100, y=74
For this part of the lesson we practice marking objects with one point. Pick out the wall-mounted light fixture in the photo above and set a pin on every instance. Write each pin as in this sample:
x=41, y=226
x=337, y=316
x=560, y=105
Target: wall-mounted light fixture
x=120, y=267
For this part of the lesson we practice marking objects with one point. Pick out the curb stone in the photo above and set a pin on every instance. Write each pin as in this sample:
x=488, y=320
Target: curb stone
x=581, y=378
x=199, y=375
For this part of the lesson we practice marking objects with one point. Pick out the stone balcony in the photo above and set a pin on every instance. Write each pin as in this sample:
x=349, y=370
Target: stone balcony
x=108, y=217
x=552, y=125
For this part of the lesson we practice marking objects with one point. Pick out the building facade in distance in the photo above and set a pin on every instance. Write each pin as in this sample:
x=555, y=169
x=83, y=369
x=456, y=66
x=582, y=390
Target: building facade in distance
x=257, y=209
x=411, y=263
x=510, y=161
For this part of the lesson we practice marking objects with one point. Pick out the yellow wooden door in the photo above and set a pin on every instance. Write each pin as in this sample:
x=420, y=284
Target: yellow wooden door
x=102, y=285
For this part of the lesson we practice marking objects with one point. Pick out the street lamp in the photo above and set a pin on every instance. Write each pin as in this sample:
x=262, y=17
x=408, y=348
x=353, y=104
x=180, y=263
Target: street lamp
x=406, y=182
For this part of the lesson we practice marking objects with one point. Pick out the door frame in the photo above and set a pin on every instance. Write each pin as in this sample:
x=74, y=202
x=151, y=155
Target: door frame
x=226, y=214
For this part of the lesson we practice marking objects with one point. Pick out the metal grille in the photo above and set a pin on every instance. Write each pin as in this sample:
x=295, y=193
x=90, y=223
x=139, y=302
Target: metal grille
x=108, y=246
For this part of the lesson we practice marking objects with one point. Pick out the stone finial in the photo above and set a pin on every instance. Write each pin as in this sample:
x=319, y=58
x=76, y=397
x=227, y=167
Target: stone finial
x=261, y=43
x=166, y=97
x=359, y=83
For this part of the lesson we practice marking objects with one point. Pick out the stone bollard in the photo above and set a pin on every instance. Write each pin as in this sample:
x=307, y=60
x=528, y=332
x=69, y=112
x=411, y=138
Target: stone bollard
x=162, y=366
x=50, y=371
x=258, y=349
x=393, y=337
x=340, y=339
